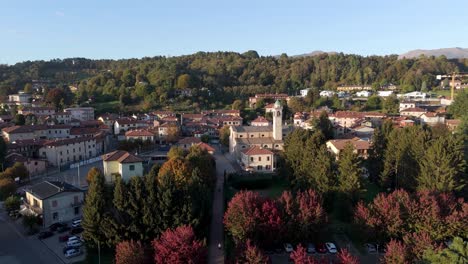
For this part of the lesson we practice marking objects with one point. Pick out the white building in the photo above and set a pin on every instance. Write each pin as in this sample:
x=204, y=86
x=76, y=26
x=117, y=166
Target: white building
x=413, y=95
x=20, y=98
x=327, y=93
x=384, y=93
x=364, y=93
x=432, y=119
x=70, y=150
x=304, y=92
x=123, y=164
x=81, y=113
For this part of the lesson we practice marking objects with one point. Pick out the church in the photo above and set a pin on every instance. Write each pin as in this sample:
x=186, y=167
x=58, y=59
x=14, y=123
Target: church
x=254, y=146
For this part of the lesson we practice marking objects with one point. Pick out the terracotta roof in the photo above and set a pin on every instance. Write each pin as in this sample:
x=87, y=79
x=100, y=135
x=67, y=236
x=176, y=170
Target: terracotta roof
x=121, y=156
x=430, y=114
x=414, y=109
x=189, y=140
x=75, y=131
x=139, y=133
x=260, y=119
x=127, y=121
x=255, y=150
x=23, y=129
x=347, y=114
x=455, y=122
x=358, y=144
x=266, y=95
x=66, y=141
x=270, y=106
x=206, y=147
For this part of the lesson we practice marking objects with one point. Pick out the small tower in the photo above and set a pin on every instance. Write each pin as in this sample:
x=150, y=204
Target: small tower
x=278, y=121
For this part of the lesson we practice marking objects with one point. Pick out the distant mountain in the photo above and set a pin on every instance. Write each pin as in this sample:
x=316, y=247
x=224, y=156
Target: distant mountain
x=315, y=53
x=450, y=53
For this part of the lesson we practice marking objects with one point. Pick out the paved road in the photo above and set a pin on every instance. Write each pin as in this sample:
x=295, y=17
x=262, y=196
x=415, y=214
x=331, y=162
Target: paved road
x=216, y=229
x=15, y=248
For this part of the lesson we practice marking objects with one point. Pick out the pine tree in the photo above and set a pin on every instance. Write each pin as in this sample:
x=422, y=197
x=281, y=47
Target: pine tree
x=136, y=196
x=93, y=210
x=442, y=165
x=167, y=201
x=349, y=173
x=151, y=218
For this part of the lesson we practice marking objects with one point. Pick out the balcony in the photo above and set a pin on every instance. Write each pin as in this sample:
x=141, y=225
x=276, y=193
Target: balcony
x=36, y=209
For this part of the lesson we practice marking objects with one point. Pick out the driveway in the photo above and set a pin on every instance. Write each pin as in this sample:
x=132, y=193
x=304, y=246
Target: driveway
x=216, y=255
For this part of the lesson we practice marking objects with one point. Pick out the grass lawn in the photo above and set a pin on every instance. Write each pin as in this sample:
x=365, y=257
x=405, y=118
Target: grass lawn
x=106, y=106
x=266, y=185
x=372, y=190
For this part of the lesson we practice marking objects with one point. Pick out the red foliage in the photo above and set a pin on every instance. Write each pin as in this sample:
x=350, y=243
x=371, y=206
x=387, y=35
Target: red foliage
x=242, y=216
x=299, y=256
x=130, y=252
x=271, y=224
x=344, y=257
x=398, y=213
x=396, y=253
x=252, y=254
x=179, y=246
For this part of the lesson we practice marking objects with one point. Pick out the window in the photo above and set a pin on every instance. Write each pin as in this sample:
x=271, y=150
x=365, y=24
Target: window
x=241, y=136
x=77, y=210
x=35, y=163
x=251, y=136
x=54, y=203
x=268, y=158
x=251, y=159
x=267, y=167
x=35, y=203
x=259, y=158
x=55, y=216
x=76, y=199
x=259, y=167
x=131, y=167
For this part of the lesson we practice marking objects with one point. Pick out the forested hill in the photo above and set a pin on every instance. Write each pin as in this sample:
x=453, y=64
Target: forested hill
x=226, y=73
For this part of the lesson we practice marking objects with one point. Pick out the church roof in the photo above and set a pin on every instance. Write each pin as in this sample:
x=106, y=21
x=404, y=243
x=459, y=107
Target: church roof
x=252, y=128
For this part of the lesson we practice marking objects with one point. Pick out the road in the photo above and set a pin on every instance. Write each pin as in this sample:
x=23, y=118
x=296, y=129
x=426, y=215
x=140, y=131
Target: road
x=215, y=255
x=18, y=249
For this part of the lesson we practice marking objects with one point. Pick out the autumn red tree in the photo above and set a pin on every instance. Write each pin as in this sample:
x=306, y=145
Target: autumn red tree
x=271, y=226
x=179, y=246
x=243, y=215
x=345, y=257
x=251, y=254
x=396, y=253
x=394, y=215
x=299, y=256
x=130, y=252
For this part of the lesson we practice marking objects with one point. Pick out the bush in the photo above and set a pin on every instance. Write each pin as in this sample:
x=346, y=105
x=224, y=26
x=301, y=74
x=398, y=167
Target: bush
x=7, y=188
x=12, y=203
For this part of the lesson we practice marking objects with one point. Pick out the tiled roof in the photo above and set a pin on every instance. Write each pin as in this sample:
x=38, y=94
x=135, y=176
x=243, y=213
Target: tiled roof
x=414, y=109
x=206, y=147
x=121, y=156
x=75, y=131
x=347, y=114
x=47, y=189
x=66, y=141
x=358, y=144
x=252, y=128
x=255, y=150
x=189, y=140
x=260, y=119
x=139, y=133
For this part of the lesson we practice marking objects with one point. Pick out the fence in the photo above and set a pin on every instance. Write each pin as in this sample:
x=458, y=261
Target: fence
x=85, y=162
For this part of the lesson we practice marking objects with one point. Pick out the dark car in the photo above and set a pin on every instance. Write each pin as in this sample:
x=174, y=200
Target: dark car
x=76, y=230
x=63, y=229
x=45, y=234
x=55, y=226
x=321, y=248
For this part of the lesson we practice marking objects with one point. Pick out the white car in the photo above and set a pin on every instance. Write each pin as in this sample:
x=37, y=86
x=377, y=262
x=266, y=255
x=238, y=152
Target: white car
x=370, y=248
x=288, y=247
x=72, y=253
x=331, y=247
x=76, y=223
x=74, y=238
x=74, y=243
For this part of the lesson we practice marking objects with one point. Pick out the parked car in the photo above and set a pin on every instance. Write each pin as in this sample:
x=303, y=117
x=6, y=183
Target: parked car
x=65, y=249
x=55, y=226
x=76, y=230
x=331, y=247
x=45, y=234
x=71, y=238
x=74, y=243
x=370, y=248
x=288, y=247
x=321, y=248
x=63, y=238
x=72, y=253
x=63, y=229
x=76, y=223
x=311, y=248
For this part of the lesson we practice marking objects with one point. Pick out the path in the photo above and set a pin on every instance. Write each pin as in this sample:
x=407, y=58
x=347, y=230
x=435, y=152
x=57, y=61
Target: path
x=216, y=255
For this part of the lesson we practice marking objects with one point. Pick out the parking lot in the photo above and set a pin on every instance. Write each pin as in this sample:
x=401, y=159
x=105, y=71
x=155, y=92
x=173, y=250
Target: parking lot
x=57, y=246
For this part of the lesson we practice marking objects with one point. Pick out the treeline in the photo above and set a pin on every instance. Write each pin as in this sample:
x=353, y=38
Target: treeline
x=231, y=75
x=177, y=193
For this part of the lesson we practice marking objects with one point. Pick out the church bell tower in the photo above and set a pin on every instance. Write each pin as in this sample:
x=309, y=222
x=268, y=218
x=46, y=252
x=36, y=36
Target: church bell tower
x=278, y=121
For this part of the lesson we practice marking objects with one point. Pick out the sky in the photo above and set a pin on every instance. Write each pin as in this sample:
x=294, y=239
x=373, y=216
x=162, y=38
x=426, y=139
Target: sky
x=115, y=29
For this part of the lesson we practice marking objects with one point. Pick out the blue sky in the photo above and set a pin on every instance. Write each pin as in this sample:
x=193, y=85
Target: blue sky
x=47, y=29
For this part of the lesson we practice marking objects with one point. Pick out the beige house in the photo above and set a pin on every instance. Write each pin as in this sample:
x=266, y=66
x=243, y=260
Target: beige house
x=121, y=163
x=34, y=166
x=15, y=133
x=413, y=111
x=257, y=159
x=70, y=150
x=54, y=202
x=81, y=113
x=361, y=147
x=37, y=111
x=140, y=134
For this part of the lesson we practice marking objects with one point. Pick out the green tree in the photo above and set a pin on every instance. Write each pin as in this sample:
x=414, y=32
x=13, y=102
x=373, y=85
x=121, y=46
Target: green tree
x=458, y=108
x=349, y=173
x=19, y=120
x=456, y=253
x=12, y=203
x=390, y=105
x=184, y=81
x=93, y=211
x=237, y=105
x=176, y=152
x=3, y=151
x=324, y=125
x=224, y=134
x=27, y=88
x=7, y=188
x=443, y=165
x=30, y=221
x=374, y=103
x=151, y=219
